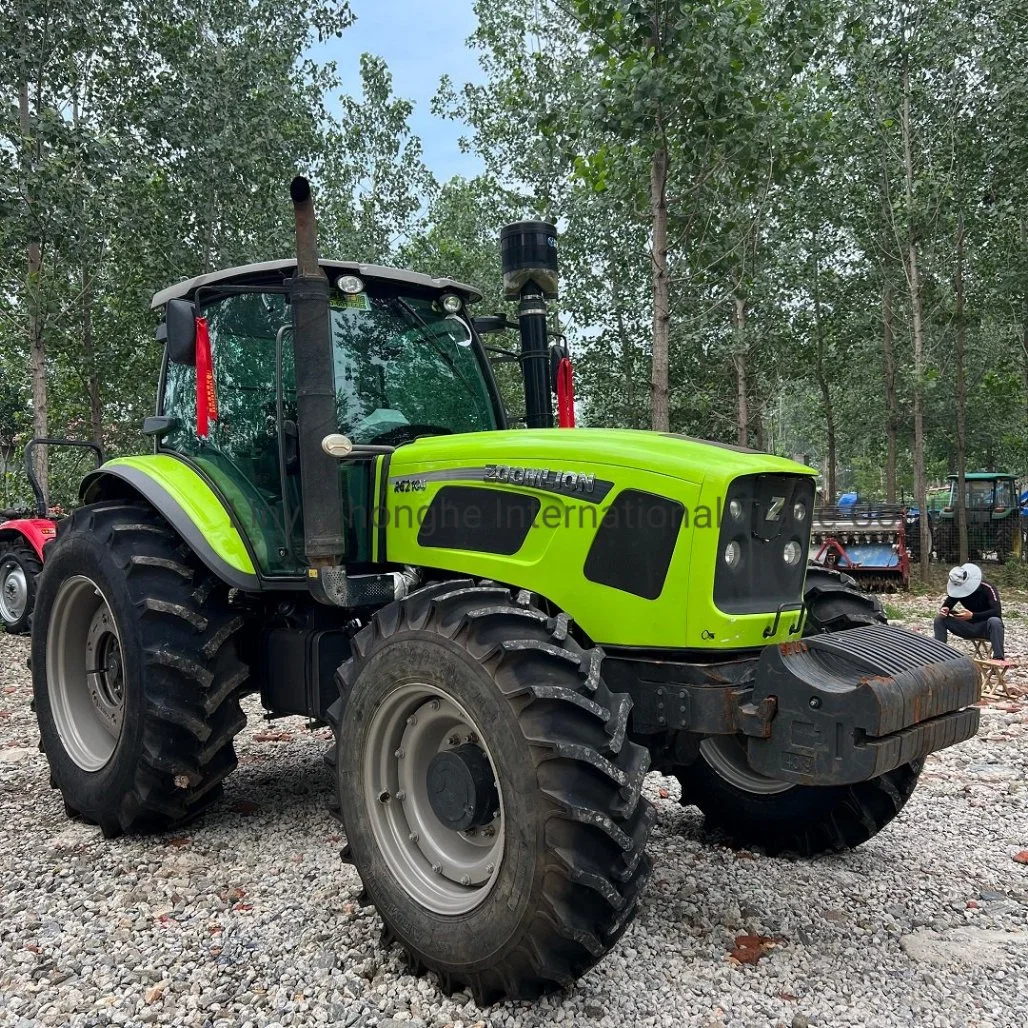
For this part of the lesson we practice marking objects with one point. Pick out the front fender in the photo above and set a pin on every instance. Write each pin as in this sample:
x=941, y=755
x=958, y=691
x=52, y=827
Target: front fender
x=37, y=532
x=188, y=504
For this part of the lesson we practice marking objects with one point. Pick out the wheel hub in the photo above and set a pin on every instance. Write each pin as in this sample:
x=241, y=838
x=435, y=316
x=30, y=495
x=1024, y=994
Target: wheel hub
x=461, y=790
x=105, y=670
x=85, y=670
x=726, y=755
x=433, y=800
x=14, y=592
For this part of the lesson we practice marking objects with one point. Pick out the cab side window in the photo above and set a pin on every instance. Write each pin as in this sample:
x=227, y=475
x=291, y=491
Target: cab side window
x=240, y=452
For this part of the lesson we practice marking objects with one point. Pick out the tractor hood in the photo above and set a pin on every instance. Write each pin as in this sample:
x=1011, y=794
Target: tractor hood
x=618, y=527
x=677, y=456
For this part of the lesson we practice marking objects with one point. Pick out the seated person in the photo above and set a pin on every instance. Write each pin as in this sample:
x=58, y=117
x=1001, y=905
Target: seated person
x=980, y=617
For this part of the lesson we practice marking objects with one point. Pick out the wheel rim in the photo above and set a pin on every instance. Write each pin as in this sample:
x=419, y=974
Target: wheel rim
x=726, y=756
x=86, y=673
x=447, y=871
x=14, y=591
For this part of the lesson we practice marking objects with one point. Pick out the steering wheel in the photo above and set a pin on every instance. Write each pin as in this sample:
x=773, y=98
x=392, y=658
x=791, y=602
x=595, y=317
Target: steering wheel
x=407, y=434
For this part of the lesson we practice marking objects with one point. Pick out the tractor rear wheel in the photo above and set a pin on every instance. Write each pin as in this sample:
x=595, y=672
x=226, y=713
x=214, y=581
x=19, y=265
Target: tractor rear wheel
x=1009, y=540
x=754, y=810
x=135, y=673
x=947, y=544
x=19, y=569
x=491, y=800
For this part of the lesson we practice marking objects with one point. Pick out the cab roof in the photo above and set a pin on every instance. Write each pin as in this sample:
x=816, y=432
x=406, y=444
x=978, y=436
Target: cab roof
x=981, y=476
x=274, y=272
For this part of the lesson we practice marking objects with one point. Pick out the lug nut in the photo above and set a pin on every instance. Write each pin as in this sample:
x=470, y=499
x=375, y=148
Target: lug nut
x=412, y=720
x=413, y=836
x=490, y=868
x=815, y=702
x=465, y=880
x=437, y=868
x=454, y=740
x=434, y=704
x=399, y=753
x=401, y=795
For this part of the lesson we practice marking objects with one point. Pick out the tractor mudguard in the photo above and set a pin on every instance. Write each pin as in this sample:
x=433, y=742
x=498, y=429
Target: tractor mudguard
x=37, y=532
x=179, y=494
x=850, y=706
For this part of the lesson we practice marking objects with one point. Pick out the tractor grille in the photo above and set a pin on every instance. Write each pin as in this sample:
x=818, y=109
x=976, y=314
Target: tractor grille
x=758, y=523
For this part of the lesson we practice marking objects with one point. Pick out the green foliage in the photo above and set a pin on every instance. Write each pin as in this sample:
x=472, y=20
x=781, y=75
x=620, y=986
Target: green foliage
x=140, y=144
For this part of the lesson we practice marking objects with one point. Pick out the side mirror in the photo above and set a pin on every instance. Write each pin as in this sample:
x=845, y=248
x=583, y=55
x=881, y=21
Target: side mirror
x=179, y=331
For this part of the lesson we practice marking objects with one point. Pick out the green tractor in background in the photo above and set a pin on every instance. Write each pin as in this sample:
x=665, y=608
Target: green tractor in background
x=993, y=519
x=505, y=629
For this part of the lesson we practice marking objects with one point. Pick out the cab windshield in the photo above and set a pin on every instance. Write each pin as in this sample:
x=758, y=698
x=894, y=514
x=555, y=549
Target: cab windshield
x=984, y=493
x=403, y=368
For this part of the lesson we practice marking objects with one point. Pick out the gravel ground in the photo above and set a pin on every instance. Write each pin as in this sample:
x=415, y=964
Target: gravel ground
x=250, y=919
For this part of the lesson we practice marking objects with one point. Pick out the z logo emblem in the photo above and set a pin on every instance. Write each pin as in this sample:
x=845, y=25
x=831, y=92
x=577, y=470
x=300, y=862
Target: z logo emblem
x=774, y=512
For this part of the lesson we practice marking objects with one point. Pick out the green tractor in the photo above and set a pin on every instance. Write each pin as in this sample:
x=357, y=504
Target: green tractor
x=505, y=629
x=993, y=519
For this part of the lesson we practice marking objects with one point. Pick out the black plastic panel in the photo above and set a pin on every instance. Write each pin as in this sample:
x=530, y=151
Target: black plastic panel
x=761, y=581
x=635, y=542
x=484, y=520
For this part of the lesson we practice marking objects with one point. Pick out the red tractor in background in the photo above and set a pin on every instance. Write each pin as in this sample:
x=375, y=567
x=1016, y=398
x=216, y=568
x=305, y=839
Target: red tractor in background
x=23, y=534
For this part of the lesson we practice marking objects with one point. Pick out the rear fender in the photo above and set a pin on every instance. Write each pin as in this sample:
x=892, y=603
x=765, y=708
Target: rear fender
x=37, y=532
x=187, y=502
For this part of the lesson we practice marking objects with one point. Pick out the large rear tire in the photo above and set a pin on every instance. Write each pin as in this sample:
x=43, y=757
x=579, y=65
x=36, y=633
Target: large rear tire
x=135, y=673
x=491, y=800
x=754, y=810
x=19, y=570
x=1009, y=540
x=947, y=544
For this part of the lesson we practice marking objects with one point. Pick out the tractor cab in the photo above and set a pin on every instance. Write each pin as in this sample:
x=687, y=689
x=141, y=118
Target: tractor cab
x=993, y=518
x=406, y=363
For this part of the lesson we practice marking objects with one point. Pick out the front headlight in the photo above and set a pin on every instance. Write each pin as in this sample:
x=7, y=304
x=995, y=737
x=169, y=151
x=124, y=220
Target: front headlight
x=733, y=554
x=792, y=552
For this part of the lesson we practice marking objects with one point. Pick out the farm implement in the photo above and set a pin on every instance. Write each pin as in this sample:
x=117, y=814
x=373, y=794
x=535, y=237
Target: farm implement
x=867, y=542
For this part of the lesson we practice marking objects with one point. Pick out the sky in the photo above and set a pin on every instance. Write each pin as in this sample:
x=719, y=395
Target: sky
x=420, y=43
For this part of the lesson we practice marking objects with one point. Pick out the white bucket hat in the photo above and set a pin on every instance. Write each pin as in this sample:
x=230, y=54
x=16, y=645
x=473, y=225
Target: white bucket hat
x=963, y=580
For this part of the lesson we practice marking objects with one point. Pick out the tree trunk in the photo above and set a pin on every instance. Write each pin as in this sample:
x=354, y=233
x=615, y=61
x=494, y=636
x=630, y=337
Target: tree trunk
x=660, y=414
x=627, y=365
x=917, y=324
x=891, y=404
x=1024, y=309
x=827, y=406
x=739, y=360
x=96, y=428
x=34, y=265
x=958, y=357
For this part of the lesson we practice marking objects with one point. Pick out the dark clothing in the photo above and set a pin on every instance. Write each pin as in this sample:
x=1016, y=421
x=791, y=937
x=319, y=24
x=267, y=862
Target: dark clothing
x=983, y=603
x=972, y=629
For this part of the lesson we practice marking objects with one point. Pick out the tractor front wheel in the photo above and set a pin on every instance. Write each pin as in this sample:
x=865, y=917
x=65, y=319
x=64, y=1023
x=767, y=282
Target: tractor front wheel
x=754, y=810
x=135, y=673
x=490, y=797
x=19, y=569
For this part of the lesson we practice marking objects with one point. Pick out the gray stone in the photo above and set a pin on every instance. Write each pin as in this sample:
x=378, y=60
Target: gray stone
x=983, y=947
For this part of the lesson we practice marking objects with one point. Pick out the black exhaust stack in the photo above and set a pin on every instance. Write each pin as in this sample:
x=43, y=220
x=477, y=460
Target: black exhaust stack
x=528, y=251
x=315, y=390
